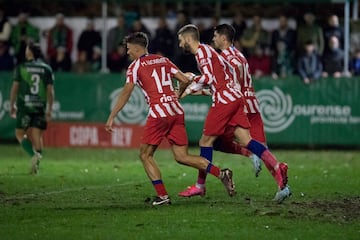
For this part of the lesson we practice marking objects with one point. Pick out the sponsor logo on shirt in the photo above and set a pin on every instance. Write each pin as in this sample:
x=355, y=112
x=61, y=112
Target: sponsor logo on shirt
x=165, y=98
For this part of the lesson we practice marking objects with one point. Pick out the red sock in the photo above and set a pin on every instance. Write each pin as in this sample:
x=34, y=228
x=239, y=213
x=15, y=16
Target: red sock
x=159, y=188
x=213, y=170
x=231, y=147
x=271, y=163
x=201, y=177
x=269, y=160
x=245, y=152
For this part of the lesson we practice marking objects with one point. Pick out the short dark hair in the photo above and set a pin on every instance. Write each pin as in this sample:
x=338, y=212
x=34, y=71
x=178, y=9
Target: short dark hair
x=36, y=50
x=190, y=29
x=226, y=30
x=138, y=38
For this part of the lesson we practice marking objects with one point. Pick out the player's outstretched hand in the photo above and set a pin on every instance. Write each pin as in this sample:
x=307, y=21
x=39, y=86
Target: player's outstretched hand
x=108, y=125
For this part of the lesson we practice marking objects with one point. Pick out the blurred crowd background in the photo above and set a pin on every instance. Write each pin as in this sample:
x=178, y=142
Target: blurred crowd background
x=306, y=39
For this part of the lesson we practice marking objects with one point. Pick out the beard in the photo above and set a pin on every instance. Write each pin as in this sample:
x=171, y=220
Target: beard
x=186, y=48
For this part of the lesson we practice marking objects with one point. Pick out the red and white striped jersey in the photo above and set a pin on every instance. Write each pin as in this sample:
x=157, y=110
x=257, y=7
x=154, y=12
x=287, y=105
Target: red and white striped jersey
x=243, y=77
x=154, y=73
x=216, y=73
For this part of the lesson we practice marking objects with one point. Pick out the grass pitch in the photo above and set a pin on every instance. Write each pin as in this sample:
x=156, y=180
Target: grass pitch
x=101, y=194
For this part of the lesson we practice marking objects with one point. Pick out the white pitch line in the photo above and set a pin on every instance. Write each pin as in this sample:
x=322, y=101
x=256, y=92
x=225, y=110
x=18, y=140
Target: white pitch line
x=30, y=195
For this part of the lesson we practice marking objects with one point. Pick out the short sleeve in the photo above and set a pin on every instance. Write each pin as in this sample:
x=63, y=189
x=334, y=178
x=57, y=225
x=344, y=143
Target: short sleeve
x=173, y=68
x=132, y=72
x=49, y=76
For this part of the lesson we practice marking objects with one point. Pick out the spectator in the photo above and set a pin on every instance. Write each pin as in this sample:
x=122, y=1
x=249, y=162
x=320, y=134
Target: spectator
x=60, y=44
x=309, y=64
x=259, y=62
x=333, y=29
x=285, y=35
x=310, y=31
x=333, y=59
x=355, y=63
x=201, y=26
x=118, y=60
x=82, y=65
x=89, y=46
x=354, y=36
x=182, y=19
x=282, y=61
x=5, y=27
x=253, y=36
x=238, y=22
x=163, y=42
x=116, y=35
x=184, y=60
x=207, y=34
x=6, y=60
x=22, y=34
x=138, y=26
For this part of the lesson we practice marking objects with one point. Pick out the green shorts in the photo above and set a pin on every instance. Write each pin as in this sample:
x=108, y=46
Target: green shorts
x=27, y=120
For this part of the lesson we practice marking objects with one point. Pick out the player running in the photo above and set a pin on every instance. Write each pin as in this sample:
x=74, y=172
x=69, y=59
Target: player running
x=223, y=39
x=226, y=112
x=33, y=92
x=154, y=73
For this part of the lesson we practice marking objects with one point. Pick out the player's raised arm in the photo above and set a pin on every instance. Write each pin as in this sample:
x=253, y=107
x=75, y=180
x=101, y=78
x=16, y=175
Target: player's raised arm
x=206, y=78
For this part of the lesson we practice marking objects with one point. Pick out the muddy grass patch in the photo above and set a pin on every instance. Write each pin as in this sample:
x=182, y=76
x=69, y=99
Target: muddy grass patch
x=337, y=210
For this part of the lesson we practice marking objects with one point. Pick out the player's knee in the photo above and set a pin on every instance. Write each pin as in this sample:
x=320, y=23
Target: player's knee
x=181, y=158
x=243, y=142
x=206, y=142
x=143, y=156
x=243, y=136
x=19, y=136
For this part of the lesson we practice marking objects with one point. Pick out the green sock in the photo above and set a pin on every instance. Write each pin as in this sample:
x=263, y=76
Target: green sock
x=27, y=146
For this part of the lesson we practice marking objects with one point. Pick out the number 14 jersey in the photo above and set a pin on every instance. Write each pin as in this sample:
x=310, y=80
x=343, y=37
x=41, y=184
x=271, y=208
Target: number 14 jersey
x=154, y=73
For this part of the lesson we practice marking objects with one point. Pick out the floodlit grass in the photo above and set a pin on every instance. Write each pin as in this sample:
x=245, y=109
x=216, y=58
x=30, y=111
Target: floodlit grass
x=100, y=194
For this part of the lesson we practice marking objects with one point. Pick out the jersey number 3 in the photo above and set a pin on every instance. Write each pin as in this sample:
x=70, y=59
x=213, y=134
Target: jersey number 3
x=35, y=79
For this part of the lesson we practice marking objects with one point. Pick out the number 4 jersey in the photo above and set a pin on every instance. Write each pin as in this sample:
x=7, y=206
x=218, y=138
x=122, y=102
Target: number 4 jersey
x=154, y=73
x=33, y=77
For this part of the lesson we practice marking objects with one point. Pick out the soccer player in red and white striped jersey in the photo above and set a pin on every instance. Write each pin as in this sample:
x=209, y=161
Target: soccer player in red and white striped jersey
x=223, y=40
x=154, y=73
x=227, y=111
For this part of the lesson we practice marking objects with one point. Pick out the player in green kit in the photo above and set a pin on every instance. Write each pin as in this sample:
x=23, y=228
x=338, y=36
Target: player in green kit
x=33, y=92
